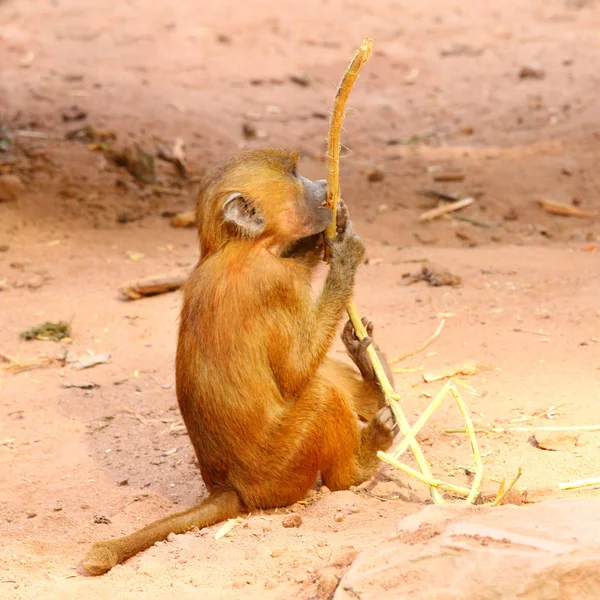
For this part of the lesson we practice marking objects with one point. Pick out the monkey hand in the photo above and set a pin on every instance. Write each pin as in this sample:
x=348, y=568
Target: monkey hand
x=347, y=249
x=357, y=350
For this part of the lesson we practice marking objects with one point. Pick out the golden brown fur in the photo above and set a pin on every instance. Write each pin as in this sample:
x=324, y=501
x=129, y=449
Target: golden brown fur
x=265, y=410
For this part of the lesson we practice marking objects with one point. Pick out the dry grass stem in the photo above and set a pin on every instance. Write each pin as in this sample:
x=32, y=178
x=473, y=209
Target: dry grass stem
x=409, y=438
x=528, y=429
x=440, y=211
x=422, y=347
x=503, y=491
x=580, y=483
x=565, y=210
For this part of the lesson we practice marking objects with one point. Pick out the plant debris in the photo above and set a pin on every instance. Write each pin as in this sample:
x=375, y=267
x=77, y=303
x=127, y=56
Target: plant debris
x=151, y=286
x=434, y=277
x=138, y=162
x=465, y=369
x=565, y=210
x=86, y=385
x=48, y=331
x=440, y=211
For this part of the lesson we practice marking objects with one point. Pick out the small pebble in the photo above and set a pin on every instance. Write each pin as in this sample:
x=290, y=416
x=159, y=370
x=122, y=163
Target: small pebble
x=532, y=72
x=376, y=174
x=292, y=521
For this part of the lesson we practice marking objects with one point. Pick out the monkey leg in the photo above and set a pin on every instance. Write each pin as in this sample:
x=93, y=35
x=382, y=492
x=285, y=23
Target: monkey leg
x=365, y=396
x=320, y=432
x=103, y=556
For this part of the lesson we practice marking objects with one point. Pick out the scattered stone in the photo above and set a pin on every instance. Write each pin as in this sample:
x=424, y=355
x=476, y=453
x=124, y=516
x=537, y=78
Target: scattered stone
x=344, y=557
x=540, y=551
x=328, y=582
x=532, y=72
x=277, y=552
x=270, y=584
x=376, y=174
x=292, y=521
x=511, y=214
x=171, y=537
x=4, y=247
x=184, y=219
x=555, y=440
x=325, y=490
x=74, y=113
x=85, y=362
x=31, y=515
x=249, y=130
x=101, y=520
x=223, y=38
x=11, y=187
x=301, y=79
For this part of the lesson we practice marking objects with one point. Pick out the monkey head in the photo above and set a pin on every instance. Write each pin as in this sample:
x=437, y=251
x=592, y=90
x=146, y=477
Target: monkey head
x=258, y=195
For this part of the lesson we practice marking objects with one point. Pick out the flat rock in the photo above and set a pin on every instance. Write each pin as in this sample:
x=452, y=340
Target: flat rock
x=11, y=187
x=545, y=551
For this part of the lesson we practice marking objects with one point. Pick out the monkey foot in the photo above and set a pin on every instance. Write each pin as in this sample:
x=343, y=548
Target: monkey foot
x=100, y=559
x=387, y=421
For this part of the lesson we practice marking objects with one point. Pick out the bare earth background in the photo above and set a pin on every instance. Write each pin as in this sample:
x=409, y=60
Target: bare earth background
x=442, y=92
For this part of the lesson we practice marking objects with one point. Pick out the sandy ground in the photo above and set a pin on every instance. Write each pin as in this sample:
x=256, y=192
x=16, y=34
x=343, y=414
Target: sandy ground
x=443, y=92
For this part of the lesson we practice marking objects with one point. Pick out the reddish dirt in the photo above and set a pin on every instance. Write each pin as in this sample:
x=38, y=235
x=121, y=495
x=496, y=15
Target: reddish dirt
x=442, y=91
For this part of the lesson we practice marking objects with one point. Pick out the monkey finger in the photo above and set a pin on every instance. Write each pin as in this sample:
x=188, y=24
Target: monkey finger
x=349, y=336
x=341, y=217
x=365, y=342
x=385, y=416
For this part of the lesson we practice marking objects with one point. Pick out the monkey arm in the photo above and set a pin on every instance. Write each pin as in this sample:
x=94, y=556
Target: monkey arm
x=307, y=330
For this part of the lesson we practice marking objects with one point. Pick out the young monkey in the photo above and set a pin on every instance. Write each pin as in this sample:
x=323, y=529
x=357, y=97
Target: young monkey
x=264, y=407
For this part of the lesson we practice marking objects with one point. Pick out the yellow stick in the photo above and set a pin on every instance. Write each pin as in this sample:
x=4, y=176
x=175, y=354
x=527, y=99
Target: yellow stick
x=333, y=195
x=432, y=483
x=362, y=55
x=581, y=483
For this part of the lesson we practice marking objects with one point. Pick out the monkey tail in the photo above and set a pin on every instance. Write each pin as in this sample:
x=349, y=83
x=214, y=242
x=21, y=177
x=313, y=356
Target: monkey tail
x=103, y=556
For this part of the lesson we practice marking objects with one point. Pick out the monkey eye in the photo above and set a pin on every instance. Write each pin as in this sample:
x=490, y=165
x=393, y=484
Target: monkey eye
x=295, y=171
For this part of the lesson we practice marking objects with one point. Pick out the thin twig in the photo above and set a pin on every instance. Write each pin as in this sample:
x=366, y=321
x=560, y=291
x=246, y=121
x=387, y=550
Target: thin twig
x=527, y=429
x=580, y=483
x=440, y=211
x=422, y=346
x=431, y=482
x=433, y=406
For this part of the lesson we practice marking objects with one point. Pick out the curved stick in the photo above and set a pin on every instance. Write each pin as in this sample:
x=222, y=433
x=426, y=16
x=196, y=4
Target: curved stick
x=361, y=56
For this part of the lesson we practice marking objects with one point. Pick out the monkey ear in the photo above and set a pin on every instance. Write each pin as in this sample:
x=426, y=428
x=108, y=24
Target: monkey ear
x=243, y=213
